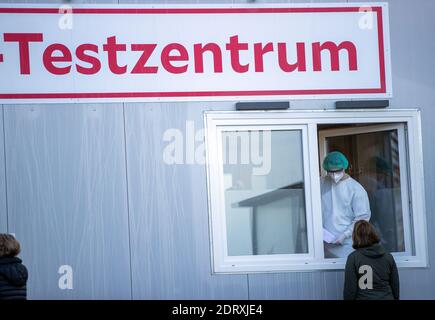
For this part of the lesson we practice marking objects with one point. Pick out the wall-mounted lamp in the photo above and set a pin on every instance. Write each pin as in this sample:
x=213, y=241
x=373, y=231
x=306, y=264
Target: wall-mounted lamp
x=362, y=104
x=263, y=105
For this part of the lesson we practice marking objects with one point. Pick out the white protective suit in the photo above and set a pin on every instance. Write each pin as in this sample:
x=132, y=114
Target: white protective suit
x=343, y=204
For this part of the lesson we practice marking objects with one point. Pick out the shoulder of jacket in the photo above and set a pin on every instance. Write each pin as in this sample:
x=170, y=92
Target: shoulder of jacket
x=357, y=186
x=352, y=256
x=390, y=257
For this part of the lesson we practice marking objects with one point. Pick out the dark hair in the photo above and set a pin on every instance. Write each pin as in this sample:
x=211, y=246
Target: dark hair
x=364, y=235
x=9, y=246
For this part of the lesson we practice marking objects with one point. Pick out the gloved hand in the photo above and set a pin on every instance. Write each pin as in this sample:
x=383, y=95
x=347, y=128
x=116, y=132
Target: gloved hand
x=340, y=239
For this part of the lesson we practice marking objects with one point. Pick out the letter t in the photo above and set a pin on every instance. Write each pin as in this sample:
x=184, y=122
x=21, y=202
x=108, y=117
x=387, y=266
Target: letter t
x=112, y=48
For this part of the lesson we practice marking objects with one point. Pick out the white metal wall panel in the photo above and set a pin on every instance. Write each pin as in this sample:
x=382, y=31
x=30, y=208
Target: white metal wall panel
x=168, y=210
x=67, y=195
x=3, y=207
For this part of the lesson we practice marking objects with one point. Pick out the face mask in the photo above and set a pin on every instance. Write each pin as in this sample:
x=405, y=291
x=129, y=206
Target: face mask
x=336, y=176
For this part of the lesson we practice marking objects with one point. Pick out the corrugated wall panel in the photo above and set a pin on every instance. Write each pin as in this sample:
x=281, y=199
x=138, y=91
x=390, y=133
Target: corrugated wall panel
x=3, y=207
x=296, y=286
x=67, y=196
x=168, y=209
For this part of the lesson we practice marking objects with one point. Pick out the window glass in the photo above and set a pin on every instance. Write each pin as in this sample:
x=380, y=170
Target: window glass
x=264, y=192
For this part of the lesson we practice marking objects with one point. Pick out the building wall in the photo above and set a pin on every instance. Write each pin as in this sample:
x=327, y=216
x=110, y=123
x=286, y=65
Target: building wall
x=85, y=185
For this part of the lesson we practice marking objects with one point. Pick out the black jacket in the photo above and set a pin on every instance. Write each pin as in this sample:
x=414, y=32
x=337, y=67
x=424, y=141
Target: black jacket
x=385, y=275
x=13, y=279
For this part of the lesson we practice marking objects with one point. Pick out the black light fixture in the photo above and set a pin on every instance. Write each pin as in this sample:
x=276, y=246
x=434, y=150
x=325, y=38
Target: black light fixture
x=362, y=104
x=263, y=105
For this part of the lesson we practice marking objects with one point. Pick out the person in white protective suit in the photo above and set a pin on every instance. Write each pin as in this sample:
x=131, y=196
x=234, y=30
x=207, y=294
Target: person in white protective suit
x=344, y=202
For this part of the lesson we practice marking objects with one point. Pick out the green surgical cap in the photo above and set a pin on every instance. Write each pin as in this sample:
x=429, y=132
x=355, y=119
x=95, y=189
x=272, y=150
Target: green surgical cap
x=335, y=161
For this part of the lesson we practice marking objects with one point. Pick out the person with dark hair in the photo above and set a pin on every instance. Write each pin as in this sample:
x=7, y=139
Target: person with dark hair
x=13, y=274
x=370, y=273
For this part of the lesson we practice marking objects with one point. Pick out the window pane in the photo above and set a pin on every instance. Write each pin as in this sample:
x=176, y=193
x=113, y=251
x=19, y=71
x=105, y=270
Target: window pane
x=374, y=163
x=264, y=192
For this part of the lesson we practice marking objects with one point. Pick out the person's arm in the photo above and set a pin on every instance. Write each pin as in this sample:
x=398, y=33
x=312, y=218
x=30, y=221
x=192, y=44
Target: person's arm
x=394, y=280
x=361, y=209
x=350, y=279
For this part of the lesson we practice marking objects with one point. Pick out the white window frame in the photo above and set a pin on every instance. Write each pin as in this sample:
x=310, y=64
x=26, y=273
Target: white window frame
x=218, y=121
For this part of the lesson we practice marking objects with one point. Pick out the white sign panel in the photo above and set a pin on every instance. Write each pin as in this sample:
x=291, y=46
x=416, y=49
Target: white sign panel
x=148, y=53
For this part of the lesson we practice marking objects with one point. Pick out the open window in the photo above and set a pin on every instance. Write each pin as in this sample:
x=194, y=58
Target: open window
x=377, y=160
x=264, y=177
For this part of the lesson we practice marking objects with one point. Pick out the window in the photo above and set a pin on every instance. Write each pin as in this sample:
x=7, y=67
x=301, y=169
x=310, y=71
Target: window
x=264, y=206
x=265, y=177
